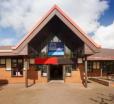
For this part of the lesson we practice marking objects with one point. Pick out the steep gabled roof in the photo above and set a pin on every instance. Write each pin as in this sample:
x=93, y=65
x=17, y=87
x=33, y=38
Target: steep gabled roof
x=55, y=10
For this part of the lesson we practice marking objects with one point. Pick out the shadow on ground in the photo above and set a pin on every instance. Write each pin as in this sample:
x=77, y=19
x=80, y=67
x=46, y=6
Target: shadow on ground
x=103, y=99
x=3, y=82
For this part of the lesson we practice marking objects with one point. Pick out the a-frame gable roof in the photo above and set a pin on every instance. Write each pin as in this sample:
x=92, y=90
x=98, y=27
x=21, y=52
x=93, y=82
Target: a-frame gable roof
x=55, y=10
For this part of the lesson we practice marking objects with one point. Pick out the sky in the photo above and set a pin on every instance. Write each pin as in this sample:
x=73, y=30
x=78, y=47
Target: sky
x=95, y=17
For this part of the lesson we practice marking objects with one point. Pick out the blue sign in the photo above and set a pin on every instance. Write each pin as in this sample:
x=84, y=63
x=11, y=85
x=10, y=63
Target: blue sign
x=55, y=48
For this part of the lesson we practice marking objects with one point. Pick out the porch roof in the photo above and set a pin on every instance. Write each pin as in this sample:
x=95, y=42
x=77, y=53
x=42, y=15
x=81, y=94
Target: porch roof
x=104, y=54
x=54, y=60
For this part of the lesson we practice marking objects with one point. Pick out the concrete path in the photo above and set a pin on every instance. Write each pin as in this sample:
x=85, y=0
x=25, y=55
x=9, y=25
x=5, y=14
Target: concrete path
x=57, y=93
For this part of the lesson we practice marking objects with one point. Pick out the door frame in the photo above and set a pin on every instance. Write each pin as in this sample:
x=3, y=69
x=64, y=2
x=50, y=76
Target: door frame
x=63, y=73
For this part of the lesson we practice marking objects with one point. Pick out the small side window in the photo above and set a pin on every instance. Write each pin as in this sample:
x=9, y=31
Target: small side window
x=2, y=62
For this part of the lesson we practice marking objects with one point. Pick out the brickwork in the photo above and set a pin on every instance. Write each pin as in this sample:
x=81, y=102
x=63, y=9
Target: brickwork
x=96, y=73
x=6, y=75
x=36, y=75
x=76, y=76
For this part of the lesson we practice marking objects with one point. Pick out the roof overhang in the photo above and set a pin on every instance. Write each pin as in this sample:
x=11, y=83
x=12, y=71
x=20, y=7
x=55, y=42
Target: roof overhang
x=104, y=54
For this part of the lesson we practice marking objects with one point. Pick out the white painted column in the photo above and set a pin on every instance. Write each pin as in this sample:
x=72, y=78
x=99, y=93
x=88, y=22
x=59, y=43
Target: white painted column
x=8, y=64
x=26, y=66
x=101, y=72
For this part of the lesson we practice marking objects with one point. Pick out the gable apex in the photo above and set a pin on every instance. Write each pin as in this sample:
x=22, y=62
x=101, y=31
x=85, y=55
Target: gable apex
x=55, y=10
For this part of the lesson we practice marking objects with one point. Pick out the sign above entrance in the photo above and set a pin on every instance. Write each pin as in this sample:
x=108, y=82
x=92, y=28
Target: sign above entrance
x=55, y=48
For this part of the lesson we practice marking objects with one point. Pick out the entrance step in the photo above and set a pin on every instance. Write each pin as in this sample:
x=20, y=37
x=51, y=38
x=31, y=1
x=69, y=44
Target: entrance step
x=56, y=81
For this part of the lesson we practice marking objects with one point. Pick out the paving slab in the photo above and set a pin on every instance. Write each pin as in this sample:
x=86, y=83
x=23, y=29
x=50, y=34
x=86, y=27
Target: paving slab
x=56, y=93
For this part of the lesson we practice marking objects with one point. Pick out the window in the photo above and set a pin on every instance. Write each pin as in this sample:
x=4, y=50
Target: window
x=98, y=65
x=44, y=70
x=93, y=65
x=68, y=69
x=2, y=62
x=17, y=67
x=90, y=66
x=107, y=67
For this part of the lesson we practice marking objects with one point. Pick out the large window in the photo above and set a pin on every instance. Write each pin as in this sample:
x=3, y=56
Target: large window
x=108, y=67
x=90, y=66
x=17, y=67
x=43, y=69
x=96, y=65
x=2, y=62
x=93, y=65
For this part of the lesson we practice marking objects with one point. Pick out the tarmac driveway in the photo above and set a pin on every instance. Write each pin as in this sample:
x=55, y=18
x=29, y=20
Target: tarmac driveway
x=57, y=93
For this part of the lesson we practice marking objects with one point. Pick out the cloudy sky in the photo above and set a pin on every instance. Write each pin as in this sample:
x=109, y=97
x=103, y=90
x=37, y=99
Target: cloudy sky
x=95, y=17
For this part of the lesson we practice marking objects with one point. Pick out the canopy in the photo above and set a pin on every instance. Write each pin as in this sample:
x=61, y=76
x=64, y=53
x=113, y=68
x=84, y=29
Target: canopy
x=54, y=60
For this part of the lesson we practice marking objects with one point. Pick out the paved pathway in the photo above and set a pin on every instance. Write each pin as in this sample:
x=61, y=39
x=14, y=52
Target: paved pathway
x=57, y=93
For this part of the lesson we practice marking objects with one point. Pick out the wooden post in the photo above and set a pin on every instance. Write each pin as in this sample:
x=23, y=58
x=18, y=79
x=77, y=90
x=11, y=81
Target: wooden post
x=48, y=73
x=101, y=73
x=64, y=73
x=26, y=76
x=86, y=72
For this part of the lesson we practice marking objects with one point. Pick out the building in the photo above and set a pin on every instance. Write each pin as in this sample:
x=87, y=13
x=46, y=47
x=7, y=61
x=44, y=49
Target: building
x=102, y=63
x=55, y=49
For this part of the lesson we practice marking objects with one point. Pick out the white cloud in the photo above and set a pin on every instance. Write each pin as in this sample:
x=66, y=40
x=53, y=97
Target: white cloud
x=105, y=36
x=86, y=13
x=22, y=14
x=7, y=41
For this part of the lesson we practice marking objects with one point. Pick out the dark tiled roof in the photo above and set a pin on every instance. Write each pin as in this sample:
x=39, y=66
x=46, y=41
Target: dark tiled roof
x=104, y=54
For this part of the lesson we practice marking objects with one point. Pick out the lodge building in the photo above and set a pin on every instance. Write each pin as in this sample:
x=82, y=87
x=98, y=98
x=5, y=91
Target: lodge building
x=55, y=49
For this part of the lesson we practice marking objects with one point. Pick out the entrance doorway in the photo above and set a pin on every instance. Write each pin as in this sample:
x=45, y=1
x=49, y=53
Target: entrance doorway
x=56, y=72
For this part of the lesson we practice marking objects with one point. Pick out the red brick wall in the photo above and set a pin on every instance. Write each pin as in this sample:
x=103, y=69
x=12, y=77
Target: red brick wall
x=34, y=75
x=6, y=75
x=96, y=73
x=77, y=75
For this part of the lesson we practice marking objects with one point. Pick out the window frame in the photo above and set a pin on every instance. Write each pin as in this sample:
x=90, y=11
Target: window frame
x=14, y=68
x=93, y=65
x=68, y=70
x=1, y=64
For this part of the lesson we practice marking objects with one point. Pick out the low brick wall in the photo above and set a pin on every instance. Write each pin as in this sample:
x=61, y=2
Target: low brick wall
x=74, y=78
x=5, y=77
x=101, y=81
x=96, y=73
x=77, y=76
